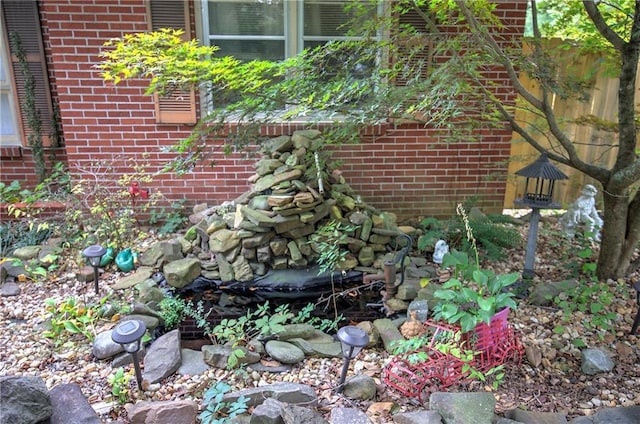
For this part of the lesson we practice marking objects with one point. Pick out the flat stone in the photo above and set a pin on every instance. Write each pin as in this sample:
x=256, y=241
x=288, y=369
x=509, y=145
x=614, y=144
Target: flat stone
x=9, y=289
x=70, y=406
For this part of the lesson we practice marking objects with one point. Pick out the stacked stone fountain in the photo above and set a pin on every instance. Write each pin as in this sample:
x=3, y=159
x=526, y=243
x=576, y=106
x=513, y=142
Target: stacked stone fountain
x=270, y=227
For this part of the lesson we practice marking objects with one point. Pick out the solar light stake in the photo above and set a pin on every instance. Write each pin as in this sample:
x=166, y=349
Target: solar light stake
x=94, y=253
x=128, y=334
x=353, y=339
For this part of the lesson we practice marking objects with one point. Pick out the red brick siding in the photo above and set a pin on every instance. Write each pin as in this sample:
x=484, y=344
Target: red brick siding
x=408, y=170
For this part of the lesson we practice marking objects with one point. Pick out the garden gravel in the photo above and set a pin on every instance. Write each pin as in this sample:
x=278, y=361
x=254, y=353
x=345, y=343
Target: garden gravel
x=555, y=384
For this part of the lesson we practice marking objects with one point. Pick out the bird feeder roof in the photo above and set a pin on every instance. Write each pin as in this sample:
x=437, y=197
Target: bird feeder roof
x=542, y=168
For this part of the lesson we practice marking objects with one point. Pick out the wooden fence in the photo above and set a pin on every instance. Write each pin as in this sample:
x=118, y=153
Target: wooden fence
x=594, y=143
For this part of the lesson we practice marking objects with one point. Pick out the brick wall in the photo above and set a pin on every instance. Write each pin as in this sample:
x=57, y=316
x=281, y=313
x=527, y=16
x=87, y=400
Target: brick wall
x=408, y=170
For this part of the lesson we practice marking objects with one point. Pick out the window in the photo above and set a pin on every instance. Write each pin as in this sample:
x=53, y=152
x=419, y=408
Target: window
x=273, y=29
x=9, y=133
x=20, y=19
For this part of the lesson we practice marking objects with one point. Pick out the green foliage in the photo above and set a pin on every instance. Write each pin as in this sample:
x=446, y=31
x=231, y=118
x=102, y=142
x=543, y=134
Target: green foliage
x=101, y=209
x=30, y=107
x=11, y=193
x=569, y=20
x=472, y=295
x=328, y=241
x=172, y=311
x=70, y=317
x=434, y=230
x=16, y=234
x=119, y=381
x=493, y=233
x=35, y=268
x=172, y=219
x=218, y=411
x=263, y=321
x=593, y=299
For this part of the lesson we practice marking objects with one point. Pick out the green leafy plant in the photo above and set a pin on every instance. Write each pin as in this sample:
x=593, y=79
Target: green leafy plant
x=260, y=322
x=16, y=234
x=172, y=311
x=30, y=107
x=70, y=317
x=218, y=411
x=328, y=242
x=106, y=210
x=119, y=381
x=11, y=193
x=473, y=295
x=171, y=219
x=593, y=299
x=35, y=270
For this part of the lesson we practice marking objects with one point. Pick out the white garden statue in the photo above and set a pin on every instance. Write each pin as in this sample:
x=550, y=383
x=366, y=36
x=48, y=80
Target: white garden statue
x=441, y=248
x=583, y=211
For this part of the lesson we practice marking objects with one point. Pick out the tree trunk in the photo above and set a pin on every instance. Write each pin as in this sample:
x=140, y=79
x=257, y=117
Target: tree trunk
x=620, y=233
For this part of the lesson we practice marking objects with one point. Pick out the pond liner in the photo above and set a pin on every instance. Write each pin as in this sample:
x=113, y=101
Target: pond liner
x=279, y=284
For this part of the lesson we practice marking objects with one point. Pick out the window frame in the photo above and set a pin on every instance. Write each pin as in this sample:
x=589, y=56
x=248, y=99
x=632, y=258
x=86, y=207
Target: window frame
x=7, y=87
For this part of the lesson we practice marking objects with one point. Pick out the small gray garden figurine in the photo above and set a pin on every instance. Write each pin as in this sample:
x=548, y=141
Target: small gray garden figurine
x=583, y=211
x=441, y=249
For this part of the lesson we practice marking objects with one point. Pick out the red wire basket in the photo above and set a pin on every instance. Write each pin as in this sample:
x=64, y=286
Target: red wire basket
x=420, y=373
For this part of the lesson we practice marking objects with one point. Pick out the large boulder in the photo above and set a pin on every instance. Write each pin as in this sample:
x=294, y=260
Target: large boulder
x=24, y=400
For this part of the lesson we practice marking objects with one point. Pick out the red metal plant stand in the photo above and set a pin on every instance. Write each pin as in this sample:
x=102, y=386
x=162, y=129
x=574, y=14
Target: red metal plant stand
x=418, y=374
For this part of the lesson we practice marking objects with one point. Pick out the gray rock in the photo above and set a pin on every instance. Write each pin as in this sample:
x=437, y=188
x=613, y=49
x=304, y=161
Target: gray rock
x=595, y=361
x=24, y=400
x=163, y=412
x=163, y=357
x=13, y=269
x=361, y=387
x=324, y=350
x=349, y=416
x=269, y=412
x=104, y=347
x=241, y=269
x=266, y=368
x=192, y=362
x=292, y=331
x=291, y=393
x=149, y=292
x=218, y=355
x=126, y=358
x=47, y=255
x=26, y=253
x=134, y=279
x=464, y=408
x=160, y=253
x=284, y=352
x=70, y=406
x=532, y=417
x=223, y=240
x=182, y=272
x=418, y=417
x=9, y=289
x=388, y=332
x=619, y=415
x=225, y=268
x=149, y=321
x=544, y=292
x=293, y=414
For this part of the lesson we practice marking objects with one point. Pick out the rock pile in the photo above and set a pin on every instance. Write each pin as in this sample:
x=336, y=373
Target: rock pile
x=272, y=225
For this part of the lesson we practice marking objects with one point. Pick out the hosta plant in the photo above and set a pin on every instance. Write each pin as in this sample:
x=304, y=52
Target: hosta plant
x=472, y=295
